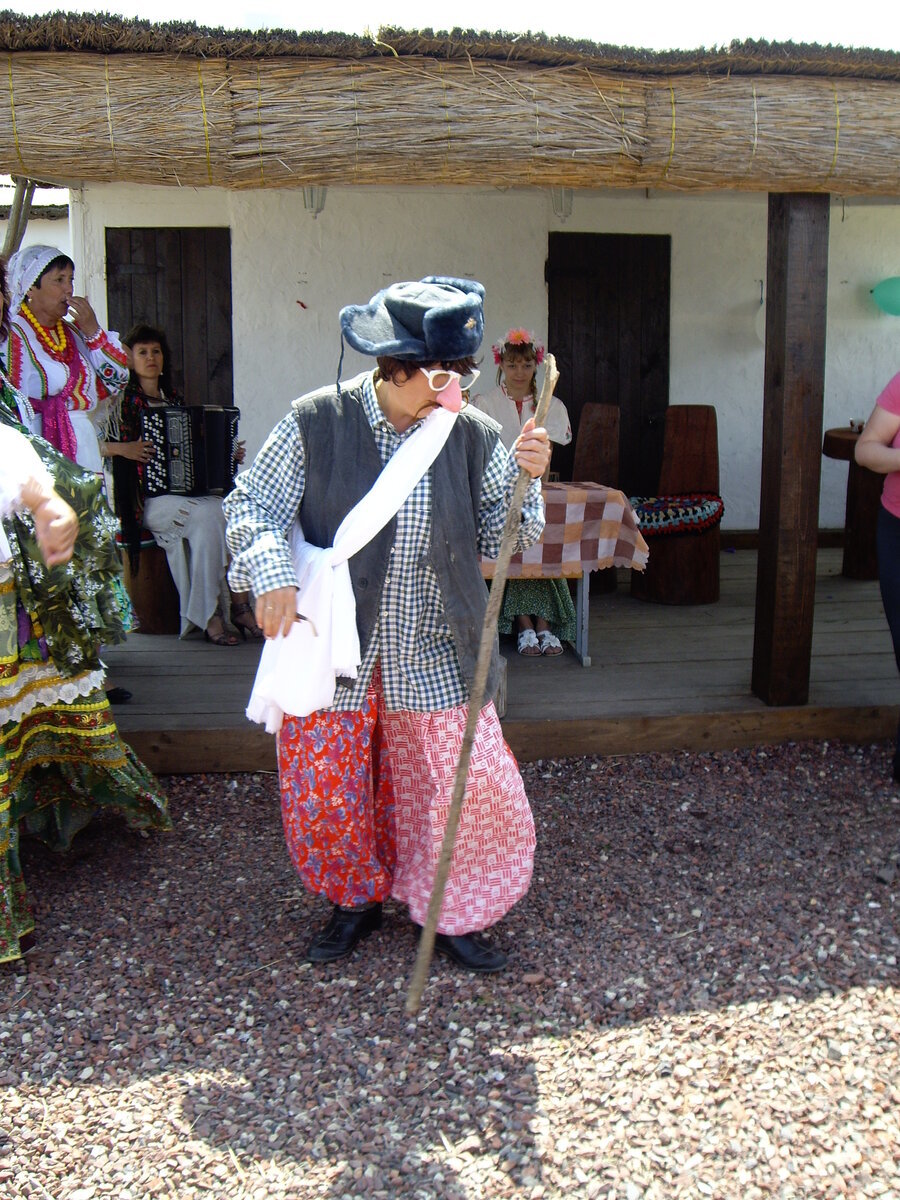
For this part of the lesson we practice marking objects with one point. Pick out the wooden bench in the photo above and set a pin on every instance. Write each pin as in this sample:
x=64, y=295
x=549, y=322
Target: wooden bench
x=154, y=596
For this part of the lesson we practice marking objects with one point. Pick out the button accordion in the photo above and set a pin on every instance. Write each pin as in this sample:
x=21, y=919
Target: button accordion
x=195, y=448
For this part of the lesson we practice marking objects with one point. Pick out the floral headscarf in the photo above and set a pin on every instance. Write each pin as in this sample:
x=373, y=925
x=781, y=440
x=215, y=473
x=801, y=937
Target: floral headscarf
x=25, y=268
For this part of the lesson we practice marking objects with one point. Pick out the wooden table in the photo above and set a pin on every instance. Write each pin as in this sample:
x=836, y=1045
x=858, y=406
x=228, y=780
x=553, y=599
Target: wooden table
x=588, y=527
x=863, y=498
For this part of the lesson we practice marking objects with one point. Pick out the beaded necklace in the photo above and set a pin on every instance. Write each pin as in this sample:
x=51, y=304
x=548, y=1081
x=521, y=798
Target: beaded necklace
x=59, y=347
x=64, y=351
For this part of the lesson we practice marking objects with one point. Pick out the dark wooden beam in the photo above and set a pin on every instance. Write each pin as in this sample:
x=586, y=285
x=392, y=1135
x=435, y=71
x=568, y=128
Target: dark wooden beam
x=229, y=750
x=797, y=279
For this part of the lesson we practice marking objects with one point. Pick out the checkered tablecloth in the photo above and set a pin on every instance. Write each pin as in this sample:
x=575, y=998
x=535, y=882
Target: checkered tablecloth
x=588, y=527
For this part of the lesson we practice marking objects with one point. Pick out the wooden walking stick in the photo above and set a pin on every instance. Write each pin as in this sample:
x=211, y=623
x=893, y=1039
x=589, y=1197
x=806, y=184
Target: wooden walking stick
x=476, y=699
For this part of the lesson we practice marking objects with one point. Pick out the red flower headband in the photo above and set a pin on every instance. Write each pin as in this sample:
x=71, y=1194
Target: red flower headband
x=518, y=337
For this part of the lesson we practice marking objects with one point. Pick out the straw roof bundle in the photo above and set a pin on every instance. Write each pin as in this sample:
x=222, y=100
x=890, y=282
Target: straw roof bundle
x=101, y=118
x=269, y=112
x=428, y=122
x=774, y=134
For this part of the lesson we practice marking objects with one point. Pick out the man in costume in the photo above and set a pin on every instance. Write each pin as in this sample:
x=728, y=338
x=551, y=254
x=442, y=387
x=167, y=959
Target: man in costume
x=367, y=776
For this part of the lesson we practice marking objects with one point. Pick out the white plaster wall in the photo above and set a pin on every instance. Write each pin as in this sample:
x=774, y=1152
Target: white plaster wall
x=366, y=238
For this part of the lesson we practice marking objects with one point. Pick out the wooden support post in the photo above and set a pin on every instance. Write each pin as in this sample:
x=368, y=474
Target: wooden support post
x=797, y=279
x=18, y=215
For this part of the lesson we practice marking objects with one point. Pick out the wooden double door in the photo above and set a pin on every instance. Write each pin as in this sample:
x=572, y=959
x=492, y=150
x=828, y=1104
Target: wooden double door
x=178, y=280
x=609, y=331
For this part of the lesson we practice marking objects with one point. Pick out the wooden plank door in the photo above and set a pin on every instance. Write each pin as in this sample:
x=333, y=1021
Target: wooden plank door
x=609, y=330
x=180, y=281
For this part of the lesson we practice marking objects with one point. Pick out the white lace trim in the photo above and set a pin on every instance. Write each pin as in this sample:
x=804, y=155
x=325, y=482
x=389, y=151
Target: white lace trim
x=42, y=686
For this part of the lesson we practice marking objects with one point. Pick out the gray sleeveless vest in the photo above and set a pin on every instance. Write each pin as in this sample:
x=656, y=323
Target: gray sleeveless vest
x=342, y=463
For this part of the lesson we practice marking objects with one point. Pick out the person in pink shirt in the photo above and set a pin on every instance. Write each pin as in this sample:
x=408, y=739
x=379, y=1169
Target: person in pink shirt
x=878, y=449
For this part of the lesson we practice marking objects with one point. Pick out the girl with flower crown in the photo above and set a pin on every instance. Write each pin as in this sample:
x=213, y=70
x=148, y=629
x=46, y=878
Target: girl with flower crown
x=539, y=611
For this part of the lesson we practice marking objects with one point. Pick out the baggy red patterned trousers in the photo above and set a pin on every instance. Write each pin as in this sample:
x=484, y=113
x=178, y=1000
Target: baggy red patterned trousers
x=364, y=802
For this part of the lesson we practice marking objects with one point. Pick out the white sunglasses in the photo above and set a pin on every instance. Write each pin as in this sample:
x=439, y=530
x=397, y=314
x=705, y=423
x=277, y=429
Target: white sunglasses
x=439, y=379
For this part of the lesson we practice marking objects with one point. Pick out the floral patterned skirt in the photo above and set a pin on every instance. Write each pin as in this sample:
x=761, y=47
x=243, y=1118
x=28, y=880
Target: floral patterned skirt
x=365, y=796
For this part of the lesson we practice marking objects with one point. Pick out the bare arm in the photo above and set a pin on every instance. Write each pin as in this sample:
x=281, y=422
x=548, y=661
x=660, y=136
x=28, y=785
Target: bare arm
x=55, y=523
x=874, y=450
x=26, y=483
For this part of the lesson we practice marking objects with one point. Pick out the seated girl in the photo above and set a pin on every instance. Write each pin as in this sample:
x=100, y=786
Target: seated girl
x=539, y=610
x=191, y=529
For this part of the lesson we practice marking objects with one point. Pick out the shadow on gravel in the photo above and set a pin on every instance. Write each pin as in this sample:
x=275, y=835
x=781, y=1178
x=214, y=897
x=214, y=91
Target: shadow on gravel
x=664, y=883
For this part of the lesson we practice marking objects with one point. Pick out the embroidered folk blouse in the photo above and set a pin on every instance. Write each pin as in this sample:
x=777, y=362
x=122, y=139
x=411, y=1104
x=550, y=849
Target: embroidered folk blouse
x=36, y=371
x=499, y=405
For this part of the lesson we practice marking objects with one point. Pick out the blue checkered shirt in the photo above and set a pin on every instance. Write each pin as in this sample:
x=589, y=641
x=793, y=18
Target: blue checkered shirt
x=419, y=667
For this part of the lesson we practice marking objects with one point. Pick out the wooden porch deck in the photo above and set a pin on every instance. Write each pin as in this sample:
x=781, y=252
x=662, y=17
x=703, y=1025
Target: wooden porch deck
x=663, y=678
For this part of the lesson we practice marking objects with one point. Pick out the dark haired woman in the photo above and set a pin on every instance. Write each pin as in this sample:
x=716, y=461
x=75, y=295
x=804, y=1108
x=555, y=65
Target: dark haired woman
x=191, y=529
x=58, y=356
x=367, y=773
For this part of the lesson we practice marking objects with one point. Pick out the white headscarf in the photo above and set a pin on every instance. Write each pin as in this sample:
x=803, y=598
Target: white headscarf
x=24, y=269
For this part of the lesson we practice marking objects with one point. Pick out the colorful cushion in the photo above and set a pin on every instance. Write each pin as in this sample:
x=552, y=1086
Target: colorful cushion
x=689, y=513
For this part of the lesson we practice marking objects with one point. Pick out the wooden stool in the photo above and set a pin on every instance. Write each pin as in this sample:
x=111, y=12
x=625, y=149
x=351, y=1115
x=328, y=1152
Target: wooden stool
x=152, y=591
x=863, y=501
x=683, y=568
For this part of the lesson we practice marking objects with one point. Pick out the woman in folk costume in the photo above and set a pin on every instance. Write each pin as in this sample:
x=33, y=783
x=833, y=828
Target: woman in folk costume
x=58, y=356
x=61, y=757
x=367, y=777
x=25, y=485
x=64, y=368
x=539, y=611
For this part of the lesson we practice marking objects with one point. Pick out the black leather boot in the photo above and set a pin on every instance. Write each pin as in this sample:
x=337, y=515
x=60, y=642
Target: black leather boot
x=470, y=950
x=346, y=927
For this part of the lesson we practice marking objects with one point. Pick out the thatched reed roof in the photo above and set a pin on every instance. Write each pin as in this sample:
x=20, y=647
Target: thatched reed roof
x=39, y=212
x=101, y=99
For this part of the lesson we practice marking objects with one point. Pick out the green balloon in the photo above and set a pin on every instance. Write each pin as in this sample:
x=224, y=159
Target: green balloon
x=887, y=295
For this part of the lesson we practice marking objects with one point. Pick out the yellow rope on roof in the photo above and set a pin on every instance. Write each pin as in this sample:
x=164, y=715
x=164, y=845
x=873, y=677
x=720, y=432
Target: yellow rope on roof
x=12, y=105
x=672, y=142
x=205, y=122
x=837, y=132
x=109, y=120
x=262, y=174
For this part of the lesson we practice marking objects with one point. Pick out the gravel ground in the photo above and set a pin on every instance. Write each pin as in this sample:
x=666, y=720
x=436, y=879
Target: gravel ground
x=702, y=1001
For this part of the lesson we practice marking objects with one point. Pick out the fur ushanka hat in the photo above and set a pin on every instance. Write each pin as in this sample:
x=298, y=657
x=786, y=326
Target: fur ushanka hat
x=438, y=319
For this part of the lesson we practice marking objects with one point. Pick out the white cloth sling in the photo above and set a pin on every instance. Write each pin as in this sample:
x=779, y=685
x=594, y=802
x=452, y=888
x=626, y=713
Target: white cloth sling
x=19, y=462
x=297, y=674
